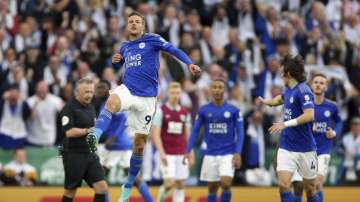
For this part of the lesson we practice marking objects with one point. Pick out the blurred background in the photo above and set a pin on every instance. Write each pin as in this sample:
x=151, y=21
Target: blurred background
x=47, y=45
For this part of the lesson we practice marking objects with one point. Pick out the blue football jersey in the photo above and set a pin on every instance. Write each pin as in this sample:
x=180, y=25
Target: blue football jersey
x=141, y=61
x=297, y=138
x=224, y=132
x=326, y=115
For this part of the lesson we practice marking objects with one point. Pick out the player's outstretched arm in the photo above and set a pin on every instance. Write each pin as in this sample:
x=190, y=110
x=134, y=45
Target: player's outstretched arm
x=181, y=55
x=273, y=102
x=306, y=117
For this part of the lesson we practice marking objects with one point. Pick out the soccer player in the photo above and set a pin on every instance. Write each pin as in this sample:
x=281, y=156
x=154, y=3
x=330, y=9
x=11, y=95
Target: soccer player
x=170, y=132
x=117, y=141
x=326, y=116
x=224, y=137
x=297, y=148
x=137, y=94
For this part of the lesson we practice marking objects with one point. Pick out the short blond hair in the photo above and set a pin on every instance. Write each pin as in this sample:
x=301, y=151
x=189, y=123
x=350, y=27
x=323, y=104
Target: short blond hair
x=174, y=84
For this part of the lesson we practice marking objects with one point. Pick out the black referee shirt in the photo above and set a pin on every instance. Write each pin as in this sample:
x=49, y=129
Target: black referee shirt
x=76, y=115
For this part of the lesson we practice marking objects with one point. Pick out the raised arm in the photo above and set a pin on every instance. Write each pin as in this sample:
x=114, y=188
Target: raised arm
x=273, y=102
x=179, y=54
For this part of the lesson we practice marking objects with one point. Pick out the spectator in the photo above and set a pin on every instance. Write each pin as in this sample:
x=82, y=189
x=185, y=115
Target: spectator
x=16, y=76
x=220, y=28
x=14, y=112
x=351, y=143
x=55, y=75
x=34, y=65
x=206, y=47
x=92, y=56
x=23, y=38
x=42, y=123
x=18, y=171
x=5, y=42
x=256, y=174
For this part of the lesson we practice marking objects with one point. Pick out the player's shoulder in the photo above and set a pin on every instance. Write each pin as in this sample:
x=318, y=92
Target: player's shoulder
x=183, y=109
x=231, y=107
x=330, y=103
x=205, y=107
x=151, y=35
x=303, y=88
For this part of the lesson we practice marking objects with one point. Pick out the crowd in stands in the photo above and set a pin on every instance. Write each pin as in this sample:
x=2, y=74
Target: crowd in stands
x=47, y=45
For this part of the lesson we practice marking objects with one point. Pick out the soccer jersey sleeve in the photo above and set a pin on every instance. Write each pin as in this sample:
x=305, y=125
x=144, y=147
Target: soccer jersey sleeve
x=305, y=97
x=337, y=120
x=240, y=134
x=162, y=44
x=67, y=119
x=195, y=131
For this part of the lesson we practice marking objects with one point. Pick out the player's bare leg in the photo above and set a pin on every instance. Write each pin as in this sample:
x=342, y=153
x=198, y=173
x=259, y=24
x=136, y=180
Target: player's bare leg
x=165, y=189
x=100, y=189
x=284, y=180
x=310, y=189
x=213, y=187
x=225, y=183
x=179, y=193
x=298, y=190
x=319, y=187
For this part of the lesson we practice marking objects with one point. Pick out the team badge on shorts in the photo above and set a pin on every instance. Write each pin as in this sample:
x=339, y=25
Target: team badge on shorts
x=327, y=113
x=227, y=114
x=141, y=45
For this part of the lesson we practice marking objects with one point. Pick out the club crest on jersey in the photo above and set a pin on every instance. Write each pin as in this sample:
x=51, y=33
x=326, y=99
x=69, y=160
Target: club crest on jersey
x=167, y=116
x=182, y=117
x=227, y=114
x=209, y=114
x=291, y=100
x=327, y=113
x=141, y=45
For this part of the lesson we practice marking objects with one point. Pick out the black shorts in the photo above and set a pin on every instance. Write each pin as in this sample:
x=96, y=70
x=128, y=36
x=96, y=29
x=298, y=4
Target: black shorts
x=79, y=166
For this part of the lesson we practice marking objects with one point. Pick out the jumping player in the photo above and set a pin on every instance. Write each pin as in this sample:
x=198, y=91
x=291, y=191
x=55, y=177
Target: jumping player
x=224, y=137
x=297, y=149
x=170, y=133
x=325, y=127
x=137, y=95
x=118, y=143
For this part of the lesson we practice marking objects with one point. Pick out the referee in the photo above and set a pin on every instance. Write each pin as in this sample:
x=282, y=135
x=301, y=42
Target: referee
x=77, y=117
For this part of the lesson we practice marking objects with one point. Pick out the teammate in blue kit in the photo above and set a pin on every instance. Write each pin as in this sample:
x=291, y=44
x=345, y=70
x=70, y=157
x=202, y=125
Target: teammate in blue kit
x=326, y=125
x=137, y=95
x=297, y=148
x=224, y=137
x=118, y=143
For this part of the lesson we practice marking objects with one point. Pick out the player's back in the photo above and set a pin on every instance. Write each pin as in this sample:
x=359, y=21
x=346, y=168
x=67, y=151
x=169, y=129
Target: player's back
x=141, y=60
x=220, y=125
x=326, y=114
x=297, y=138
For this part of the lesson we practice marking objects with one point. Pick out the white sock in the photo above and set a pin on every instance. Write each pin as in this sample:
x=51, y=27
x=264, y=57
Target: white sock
x=179, y=195
x=162, y=194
